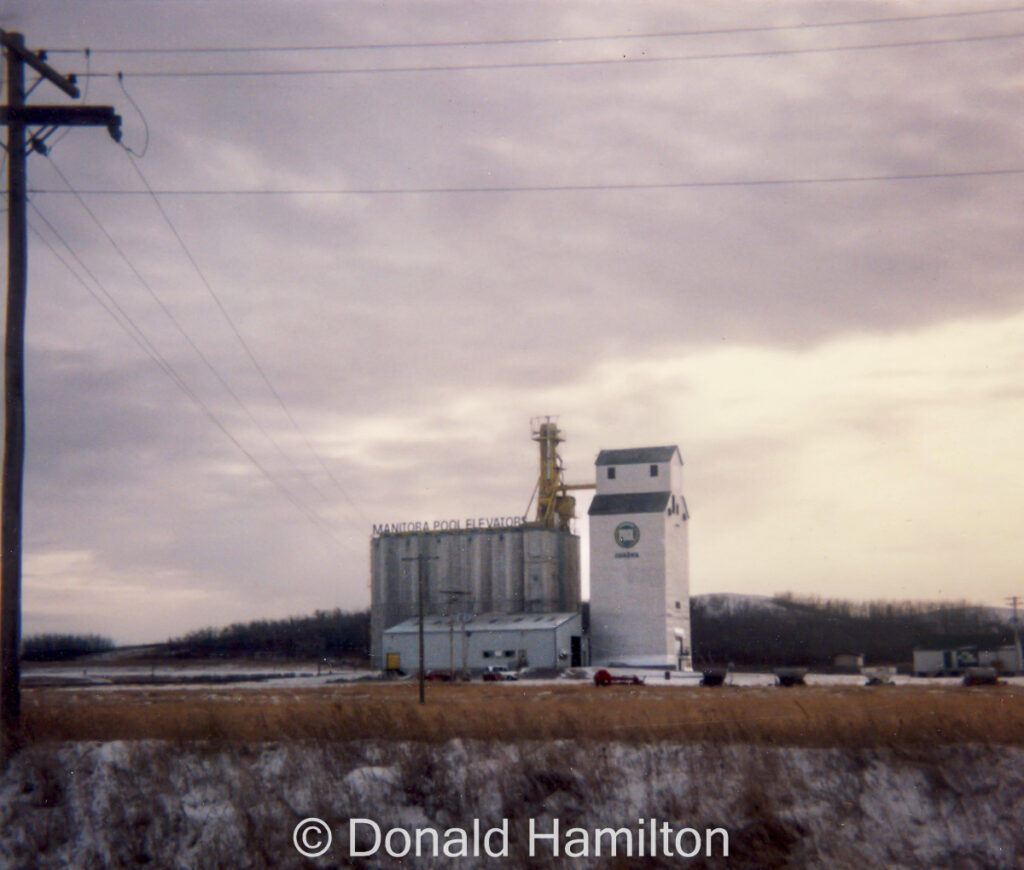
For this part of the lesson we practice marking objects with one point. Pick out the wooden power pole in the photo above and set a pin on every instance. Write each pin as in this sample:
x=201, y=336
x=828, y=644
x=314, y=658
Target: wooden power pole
x=421, y=607
x=18, y=118
x=1013, y=600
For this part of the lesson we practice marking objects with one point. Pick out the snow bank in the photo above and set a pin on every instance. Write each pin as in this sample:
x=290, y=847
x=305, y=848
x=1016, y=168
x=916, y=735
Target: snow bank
x=155, y=804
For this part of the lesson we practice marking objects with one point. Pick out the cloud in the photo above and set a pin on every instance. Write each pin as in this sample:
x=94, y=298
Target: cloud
x=75, y=592
x=866, y=466
x=814, y=349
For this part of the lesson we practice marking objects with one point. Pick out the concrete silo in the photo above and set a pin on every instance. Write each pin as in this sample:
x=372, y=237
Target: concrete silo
x=481, y=566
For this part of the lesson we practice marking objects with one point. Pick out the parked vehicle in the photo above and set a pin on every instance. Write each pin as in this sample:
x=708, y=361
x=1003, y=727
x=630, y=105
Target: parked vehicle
x=605, y=678
x=497, y=673
x=791, y=676
x=981, y=677
x=879, y=676
x=713, y=676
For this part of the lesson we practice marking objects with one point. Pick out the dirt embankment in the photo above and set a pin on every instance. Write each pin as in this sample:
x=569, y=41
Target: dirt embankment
x=171, y=804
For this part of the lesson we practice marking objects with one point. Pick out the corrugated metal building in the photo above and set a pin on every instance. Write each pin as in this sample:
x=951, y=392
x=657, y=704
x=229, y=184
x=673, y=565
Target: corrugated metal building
x=527, y=569
x=514, y=640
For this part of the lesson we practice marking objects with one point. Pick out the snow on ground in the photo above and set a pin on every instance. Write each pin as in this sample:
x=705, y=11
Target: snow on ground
x=241, y=675
x=98, y=805
x=727, y=603
x=304, y=675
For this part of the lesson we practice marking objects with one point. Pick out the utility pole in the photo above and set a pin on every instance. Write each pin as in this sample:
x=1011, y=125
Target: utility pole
x=1012, y=600
x=18, y=117
x=452, y=594
x=465, y=647
x=420, y=584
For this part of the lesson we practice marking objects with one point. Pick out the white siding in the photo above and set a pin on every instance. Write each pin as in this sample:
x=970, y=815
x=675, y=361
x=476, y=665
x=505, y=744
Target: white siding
x=635, y=590
x=633, y=478
x=446, y=646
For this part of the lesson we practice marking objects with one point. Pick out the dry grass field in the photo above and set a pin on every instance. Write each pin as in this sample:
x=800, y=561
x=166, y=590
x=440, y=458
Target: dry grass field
x=812, y=717
x=820, y=776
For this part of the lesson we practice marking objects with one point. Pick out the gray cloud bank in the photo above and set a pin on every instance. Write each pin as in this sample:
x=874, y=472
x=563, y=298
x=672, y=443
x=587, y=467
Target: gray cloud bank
x=413, y=335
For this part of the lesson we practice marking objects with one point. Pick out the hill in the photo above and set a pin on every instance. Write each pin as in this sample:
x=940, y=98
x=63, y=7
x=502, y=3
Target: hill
x=757, y=631
x=333, y=634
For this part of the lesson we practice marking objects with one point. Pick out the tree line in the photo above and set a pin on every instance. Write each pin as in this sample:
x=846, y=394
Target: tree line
x=787, y=630
x=810, y=632
x=328, y=634
x=61, y=647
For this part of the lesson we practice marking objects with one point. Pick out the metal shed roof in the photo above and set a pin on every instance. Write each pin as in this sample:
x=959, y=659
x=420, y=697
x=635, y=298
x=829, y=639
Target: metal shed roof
x=637, y=455
x=484, y=622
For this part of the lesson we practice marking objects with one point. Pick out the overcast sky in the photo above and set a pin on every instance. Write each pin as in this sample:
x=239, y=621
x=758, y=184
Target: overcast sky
x=696, y=224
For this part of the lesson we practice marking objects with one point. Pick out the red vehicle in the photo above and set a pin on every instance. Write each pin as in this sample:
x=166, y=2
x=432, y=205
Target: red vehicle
x=440, y=676
x=605, y=678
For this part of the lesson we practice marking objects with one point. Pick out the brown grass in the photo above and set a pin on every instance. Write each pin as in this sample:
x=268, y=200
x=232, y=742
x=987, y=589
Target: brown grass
x=814, y=716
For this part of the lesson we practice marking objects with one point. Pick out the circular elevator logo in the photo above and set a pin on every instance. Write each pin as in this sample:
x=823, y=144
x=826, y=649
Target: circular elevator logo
x=627, y=535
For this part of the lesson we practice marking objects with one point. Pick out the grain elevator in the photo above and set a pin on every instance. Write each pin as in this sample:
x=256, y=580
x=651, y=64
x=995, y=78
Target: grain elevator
x=480, y=569
x=506, y=590
x=639, y=560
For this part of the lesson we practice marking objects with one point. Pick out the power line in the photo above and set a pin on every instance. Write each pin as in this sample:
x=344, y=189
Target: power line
x=220, y=306
x=147, y=346
x=191, y=393
x=548, y=40
x=142, y=117
x=109, y=303
x=591, y=62
x=553, y=188
x=170, y=315
x=241, y=340
x=84, y=98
